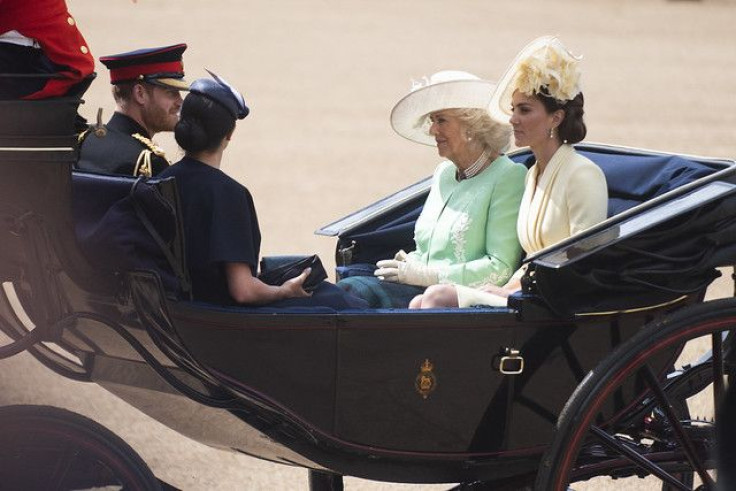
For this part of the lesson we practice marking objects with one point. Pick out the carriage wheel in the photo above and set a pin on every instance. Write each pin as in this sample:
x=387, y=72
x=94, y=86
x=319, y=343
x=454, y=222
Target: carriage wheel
x=44, y=447
x=587, y=445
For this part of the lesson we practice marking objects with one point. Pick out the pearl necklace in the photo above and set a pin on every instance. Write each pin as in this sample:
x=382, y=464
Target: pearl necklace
x=477, y=166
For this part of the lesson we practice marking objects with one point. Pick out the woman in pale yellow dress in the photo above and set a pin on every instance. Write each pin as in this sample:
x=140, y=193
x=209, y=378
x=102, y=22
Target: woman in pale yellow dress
x=565, y=193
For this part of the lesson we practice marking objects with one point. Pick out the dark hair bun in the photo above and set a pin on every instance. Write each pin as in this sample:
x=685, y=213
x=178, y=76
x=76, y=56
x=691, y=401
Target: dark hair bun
x=572, y=129
x=191, y=135
x=203, y=124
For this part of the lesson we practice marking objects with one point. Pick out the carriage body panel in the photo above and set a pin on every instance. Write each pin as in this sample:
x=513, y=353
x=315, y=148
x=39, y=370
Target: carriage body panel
x=342, y=391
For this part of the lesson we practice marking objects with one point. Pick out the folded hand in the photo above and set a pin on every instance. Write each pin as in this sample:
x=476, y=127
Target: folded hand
x=294, y=287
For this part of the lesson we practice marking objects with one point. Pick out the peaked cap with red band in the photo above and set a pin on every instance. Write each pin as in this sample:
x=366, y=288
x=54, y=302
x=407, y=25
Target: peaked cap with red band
x=160, y=66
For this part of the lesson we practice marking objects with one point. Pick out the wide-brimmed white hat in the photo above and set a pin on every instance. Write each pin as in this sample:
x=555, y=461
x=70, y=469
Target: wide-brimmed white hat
x=545, y=62
x=448, y=89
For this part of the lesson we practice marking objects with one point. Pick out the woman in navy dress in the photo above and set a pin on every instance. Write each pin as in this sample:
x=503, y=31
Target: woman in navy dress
x=222, y=235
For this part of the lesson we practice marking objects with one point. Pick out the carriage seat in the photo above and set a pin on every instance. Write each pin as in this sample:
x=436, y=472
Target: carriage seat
x=635, y=179
x=92, y=196
x=120, y=230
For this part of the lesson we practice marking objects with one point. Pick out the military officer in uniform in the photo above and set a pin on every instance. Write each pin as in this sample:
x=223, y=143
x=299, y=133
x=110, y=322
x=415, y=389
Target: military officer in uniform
x=146, y=87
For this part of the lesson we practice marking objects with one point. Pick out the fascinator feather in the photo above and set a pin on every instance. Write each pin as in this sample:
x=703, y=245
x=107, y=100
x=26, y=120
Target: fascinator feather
x=545, y=67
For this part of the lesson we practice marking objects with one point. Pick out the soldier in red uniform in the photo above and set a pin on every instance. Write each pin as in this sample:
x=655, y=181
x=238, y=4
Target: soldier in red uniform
x=42, y=53
x=146, y=86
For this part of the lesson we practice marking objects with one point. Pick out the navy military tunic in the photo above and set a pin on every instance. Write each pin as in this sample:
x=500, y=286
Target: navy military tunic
x=123, y=147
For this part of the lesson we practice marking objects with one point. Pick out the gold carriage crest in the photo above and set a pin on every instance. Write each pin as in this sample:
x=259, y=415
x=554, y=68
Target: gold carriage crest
x=426, y=382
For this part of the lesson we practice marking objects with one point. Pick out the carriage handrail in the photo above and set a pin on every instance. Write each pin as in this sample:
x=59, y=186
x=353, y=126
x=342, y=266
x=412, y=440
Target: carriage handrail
x=367, y=213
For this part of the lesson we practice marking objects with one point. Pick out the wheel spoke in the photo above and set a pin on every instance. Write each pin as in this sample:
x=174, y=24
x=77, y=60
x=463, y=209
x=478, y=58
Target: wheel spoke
x=59, y=449
x=64, y=463
x=659, y=437
x=637, y=458
x=674, y=421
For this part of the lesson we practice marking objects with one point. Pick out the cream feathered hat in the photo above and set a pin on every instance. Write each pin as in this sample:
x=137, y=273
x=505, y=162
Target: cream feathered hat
x=448, y=89
x=545, y=62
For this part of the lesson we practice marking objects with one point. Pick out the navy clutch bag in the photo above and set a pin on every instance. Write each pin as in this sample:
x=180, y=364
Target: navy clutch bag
x=276, y=270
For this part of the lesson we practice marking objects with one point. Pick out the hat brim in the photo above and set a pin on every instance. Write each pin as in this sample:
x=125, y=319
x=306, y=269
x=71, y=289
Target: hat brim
x=174, y=83
x=500, y=105
x=409, y=115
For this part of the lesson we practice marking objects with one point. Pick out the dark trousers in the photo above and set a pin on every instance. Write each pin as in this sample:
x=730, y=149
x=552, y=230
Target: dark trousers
x=23, y=70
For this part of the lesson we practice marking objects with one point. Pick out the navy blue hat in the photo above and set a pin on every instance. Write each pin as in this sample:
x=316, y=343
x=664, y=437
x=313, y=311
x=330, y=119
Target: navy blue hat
x=160, y=66
x=221, y=92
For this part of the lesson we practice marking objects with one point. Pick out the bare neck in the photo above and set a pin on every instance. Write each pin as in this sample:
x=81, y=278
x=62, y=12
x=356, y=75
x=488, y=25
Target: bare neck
x=543, y=153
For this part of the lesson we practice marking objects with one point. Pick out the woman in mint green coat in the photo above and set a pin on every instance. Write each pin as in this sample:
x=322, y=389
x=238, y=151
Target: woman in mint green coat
x=466, y=233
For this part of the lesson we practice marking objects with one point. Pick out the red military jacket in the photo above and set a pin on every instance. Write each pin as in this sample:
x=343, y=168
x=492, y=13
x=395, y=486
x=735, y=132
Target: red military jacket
x=49, y=23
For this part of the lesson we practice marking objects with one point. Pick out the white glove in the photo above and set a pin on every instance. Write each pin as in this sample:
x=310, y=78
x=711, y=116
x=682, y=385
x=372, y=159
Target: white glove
x=401, y=255
x=388, y=269
x=406, y=272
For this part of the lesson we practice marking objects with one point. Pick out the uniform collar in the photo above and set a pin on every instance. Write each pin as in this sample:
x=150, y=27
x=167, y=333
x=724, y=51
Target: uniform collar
x=126, y=124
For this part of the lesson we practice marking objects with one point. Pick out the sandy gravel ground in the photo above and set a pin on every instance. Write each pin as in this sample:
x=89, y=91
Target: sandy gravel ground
x=321, y=77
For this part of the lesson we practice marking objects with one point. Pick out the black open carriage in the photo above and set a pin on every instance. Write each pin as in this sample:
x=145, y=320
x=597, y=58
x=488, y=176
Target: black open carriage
x=581, y=376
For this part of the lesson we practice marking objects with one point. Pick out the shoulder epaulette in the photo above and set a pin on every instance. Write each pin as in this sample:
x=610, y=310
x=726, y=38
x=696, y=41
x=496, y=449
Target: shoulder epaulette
x=149, y=144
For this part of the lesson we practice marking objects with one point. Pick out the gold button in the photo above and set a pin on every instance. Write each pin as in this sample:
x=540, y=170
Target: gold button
x=84, y=49
x=70, y=21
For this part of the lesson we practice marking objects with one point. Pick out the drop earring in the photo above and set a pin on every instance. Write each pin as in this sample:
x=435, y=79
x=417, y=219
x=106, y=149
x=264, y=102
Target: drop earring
x=551, y=133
